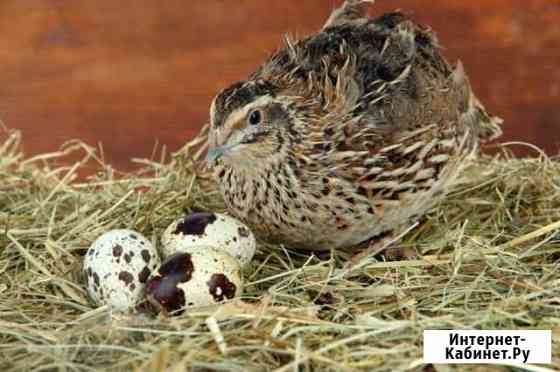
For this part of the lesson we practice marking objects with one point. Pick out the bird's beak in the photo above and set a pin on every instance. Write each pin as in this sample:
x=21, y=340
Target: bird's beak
x=216, y=152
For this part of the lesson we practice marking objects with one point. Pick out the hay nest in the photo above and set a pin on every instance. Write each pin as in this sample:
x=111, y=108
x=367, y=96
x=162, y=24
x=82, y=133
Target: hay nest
x=487, y=258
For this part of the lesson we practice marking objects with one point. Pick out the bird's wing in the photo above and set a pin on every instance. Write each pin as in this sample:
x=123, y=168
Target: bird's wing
x=380, y=94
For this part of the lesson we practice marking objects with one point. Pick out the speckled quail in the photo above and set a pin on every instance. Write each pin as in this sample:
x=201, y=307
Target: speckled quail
x=347, y=134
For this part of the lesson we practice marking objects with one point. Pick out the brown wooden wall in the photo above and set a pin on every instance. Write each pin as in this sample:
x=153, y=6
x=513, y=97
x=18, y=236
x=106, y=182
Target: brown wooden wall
x=130, y=72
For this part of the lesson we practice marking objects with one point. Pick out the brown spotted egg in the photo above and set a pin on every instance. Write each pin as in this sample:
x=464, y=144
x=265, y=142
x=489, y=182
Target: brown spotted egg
x=200, y=277
x=210, y=229
x=117, y=267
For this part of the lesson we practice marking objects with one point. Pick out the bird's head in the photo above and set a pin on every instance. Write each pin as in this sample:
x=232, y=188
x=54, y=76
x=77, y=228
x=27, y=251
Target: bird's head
x=249, y=124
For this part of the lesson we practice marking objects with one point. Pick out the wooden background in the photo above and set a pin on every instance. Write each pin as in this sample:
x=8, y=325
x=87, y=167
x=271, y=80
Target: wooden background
x=129, y=73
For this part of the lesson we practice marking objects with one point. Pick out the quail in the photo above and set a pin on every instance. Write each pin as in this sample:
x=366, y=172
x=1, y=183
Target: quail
x=348, y=134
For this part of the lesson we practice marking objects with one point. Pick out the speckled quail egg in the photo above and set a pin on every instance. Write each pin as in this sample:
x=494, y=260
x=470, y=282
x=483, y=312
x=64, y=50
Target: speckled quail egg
x=210, y=229
x=117, y=267
x=201, y=277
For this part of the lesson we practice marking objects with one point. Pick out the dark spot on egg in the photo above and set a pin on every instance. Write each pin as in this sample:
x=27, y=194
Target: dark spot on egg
x=96, y=279
x=146, y=255
x=163, y=287
x=144, y=275
x=126, y=277
x=128, y=257
x=220, y=286
x=195, y=224
x=132, y=287
x=117, y=250
x=243, y=232
x=133, y=236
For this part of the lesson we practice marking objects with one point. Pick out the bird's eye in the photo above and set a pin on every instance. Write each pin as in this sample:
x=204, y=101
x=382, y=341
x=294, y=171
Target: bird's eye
x=255, y=117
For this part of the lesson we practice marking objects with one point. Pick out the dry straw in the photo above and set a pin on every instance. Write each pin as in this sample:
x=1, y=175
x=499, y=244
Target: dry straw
x=487, y=258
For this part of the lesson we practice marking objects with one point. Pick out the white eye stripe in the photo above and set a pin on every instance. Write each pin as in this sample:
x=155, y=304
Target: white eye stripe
x=242, y=112
x=213, y=112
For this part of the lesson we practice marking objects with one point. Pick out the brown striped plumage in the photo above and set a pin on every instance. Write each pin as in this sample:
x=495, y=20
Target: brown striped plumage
x=347, y=134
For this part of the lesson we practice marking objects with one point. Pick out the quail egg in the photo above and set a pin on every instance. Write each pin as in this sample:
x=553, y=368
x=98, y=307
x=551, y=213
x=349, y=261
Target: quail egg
x=201, y=277
x=117, y=267
x=210, y=229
